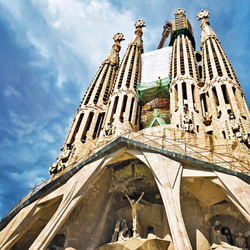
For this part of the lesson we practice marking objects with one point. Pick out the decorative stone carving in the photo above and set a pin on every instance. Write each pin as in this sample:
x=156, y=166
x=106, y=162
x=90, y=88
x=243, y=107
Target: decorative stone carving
x=53, y=168
x=120, y=231
x=213, y=234
x=223, y=244
x=220, y=241
x=203, y=14
x=116, y=230
x=179, y=12
x=93, y=191
x=123, y=231
x=140, y=24
x=65, y=154
x=133, y=204
x=241, y=242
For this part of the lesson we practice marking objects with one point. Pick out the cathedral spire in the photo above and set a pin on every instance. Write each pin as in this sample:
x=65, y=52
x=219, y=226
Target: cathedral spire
x=223, y=100
x=184, y=73
x=88, y=120
x=207, y=31
x=123, y=110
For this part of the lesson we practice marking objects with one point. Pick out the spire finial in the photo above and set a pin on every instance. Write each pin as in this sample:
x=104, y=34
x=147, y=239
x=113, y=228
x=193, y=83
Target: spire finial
x=179, y=12
x=207, y=31
x=203, y=15
x=118, y=37
x=138, y=25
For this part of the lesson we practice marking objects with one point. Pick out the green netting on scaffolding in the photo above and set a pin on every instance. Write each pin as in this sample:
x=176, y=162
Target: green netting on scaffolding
x=155, y=117
x=150, y=90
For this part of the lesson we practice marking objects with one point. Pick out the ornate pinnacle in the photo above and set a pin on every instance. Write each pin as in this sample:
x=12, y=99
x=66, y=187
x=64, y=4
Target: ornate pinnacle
x=203, y=15
x=179, y=12
x=139, y=24
x=118, y=38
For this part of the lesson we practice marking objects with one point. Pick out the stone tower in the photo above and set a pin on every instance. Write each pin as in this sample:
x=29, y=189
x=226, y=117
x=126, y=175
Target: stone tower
x=123, y=109
x=184, y=73
x=223, y=101
x=88, y=120
x=178, y=186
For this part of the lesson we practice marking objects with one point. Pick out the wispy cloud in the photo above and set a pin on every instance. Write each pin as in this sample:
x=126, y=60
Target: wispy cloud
x=50, y=51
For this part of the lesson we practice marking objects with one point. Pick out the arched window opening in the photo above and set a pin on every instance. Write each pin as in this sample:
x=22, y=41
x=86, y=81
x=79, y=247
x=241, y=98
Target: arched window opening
x=204, y=105
x=131, y=109
x=176, y=97
x=114, y=109
x=224, y=134
x=124, y=104
x=98, y=125
x=184, y=91
x=193, y=92
x=216, y=96
x=87, y=126
x=225, y=94
x=137, y=113
x=76, y=128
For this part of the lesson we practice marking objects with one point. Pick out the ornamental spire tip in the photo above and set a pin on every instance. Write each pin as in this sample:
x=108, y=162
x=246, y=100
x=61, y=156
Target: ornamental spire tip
x=203, y=15
x=139, y=24
x=179, y=12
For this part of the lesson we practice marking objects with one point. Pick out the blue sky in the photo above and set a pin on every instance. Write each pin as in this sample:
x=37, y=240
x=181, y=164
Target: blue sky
x=50, y=51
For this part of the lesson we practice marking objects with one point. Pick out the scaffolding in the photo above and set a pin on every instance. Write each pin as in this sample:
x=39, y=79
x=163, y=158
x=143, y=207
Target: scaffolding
x=185, y=145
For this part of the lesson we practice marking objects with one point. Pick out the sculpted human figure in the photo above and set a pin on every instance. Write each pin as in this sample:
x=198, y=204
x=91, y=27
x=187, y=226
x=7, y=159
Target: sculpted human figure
x=213, y=234
x=223, y=244
x=241, y=241
x=116, y=230
x=122, y=233
x=133, y=204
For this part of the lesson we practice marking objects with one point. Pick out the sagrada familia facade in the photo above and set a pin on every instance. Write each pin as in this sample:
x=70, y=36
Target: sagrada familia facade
x=157, y=156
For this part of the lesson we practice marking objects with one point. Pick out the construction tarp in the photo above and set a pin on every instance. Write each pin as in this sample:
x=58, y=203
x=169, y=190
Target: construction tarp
x=155, y=64
x=150, y=90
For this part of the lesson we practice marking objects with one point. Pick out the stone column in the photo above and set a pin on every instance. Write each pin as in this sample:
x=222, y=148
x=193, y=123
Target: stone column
x=166, y=172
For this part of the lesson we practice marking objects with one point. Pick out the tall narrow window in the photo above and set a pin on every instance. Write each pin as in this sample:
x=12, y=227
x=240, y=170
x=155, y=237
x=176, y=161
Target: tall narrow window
x=184, y=91
x=176, y=97
x=76, y=128
x=193, y=92
x=225, y=95
x=137, y=113
x=114, y=109
x=124, y=104
x=131, y=109
x=87, y=126
x=98, y=125
x=216, y=96
x=204, y=104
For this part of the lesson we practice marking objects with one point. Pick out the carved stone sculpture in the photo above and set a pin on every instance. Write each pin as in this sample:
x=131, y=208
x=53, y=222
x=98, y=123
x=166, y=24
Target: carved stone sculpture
x=241, y=242
x=133, y=204
x=116, y=230
x=223, y=244
x=123, y=231
x=213, y=234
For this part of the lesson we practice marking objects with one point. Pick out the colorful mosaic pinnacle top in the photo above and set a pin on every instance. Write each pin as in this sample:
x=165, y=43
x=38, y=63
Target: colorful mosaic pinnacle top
x=203, y=14
x=140, y=24
x=118, y=38
x=179, y=12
